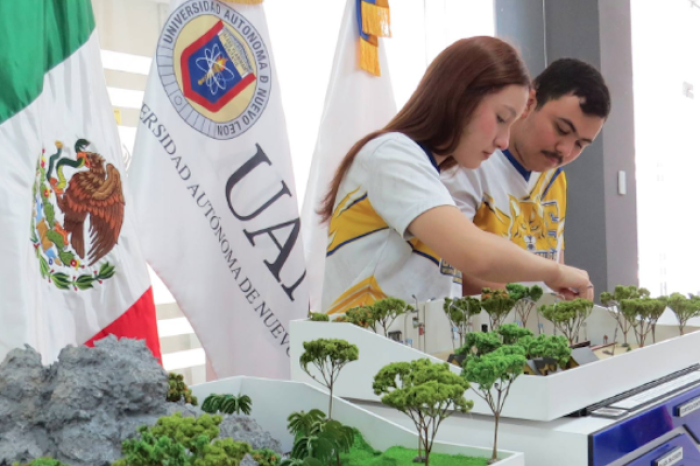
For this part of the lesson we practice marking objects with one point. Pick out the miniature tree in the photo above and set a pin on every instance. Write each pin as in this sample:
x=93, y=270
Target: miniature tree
x=655, y=312
x=567, y=316
x=319, y=317
x=491, y=376
x=177, y=390
x=479, y=344
x=684, y=308
x=512, y=333
x=497, y=304
x=612, y=302
x=424, y=391
x=182, y=441
x=360, y=316
x=525, y=299
x=385, y=311
x=548, y=348
x=460, y=311
x=228, y=404
x=642, y=313
x=329, y=356
x=655, y=319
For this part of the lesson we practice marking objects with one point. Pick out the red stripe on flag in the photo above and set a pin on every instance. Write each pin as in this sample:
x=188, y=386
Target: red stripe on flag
x=138, y=322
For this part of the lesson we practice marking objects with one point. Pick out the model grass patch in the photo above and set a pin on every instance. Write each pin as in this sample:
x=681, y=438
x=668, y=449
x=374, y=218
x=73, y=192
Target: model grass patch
x=362, y=454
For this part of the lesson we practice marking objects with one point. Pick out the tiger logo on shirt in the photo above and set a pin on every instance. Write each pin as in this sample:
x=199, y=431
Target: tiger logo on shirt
x=526, y=227
x=532, y=224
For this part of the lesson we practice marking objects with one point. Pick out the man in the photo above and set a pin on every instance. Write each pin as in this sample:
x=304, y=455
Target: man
x=520, y=193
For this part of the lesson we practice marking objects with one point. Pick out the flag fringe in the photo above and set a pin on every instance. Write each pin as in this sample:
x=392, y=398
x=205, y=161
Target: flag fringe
x=376, y=19
x=369, y=55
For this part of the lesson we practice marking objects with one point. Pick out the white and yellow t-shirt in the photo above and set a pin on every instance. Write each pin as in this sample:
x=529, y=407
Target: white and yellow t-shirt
x=370, y=254
x=501, y=197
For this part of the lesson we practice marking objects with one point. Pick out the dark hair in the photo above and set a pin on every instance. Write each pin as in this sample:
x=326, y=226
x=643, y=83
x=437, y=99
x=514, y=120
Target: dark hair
x=444, y=101
x=571, y=76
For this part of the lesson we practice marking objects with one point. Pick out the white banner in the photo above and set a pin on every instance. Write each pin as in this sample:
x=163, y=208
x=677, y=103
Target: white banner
x=215, y=193
x=357, y=103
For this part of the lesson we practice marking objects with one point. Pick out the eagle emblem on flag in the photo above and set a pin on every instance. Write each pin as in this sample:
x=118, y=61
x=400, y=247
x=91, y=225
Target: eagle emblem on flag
x=77, y=216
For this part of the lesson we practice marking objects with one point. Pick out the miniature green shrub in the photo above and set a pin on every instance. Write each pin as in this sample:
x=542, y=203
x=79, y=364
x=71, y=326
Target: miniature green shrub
x=360, y=316
x=227, y=404
x=266, y=457
x=177, y=390
x=317, y=440
x=45, y=461
x=182, y=441
x=222, y=452
x=319, y=317
x=149, y=450
x=301, y=423
x=187, y=430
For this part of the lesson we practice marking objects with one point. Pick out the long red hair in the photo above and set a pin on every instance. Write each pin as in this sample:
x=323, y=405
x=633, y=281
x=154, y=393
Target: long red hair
x=444, y=101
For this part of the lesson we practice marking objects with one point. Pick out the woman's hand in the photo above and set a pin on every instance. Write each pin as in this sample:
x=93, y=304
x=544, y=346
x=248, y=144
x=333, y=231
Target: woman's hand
x=572, y=283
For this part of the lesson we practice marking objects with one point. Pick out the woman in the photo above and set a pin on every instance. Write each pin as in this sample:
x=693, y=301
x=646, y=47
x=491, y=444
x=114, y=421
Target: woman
x=394, y=229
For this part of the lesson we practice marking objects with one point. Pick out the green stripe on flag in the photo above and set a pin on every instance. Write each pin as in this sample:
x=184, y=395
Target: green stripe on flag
x=37, y=35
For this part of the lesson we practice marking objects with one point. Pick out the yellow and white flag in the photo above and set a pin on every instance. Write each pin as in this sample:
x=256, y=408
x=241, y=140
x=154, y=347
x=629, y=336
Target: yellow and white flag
x=358, y=101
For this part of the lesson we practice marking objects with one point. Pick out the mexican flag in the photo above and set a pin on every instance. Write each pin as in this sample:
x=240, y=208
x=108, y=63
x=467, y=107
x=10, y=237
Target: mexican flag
x=71, y=270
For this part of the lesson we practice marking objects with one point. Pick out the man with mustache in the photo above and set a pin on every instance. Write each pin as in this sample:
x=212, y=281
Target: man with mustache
x=520, y=193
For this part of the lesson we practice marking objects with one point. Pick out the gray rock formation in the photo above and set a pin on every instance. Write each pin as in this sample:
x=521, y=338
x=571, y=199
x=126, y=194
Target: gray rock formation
x=245, y=429
x=81, y=408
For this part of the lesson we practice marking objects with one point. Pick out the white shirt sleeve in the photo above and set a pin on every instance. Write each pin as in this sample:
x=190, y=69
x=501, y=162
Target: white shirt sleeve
x=466, y=188
x=403, y=183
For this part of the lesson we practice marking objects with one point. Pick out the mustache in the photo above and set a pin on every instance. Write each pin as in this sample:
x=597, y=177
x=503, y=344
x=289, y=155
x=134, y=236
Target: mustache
x=555, y=155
